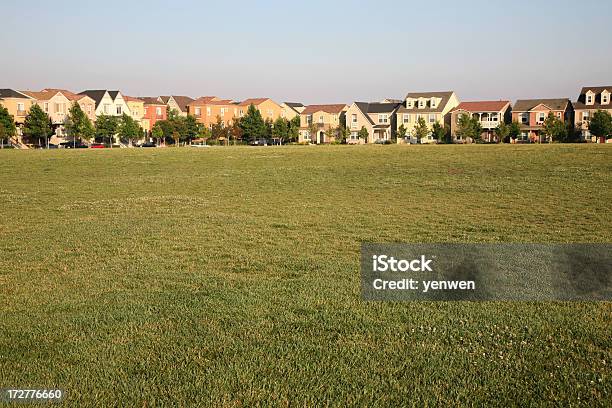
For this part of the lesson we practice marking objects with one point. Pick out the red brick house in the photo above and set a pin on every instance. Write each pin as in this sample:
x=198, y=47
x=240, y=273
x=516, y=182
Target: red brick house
x=531, y=114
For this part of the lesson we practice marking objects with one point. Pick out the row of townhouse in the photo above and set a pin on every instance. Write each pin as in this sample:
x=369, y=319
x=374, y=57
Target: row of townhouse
x=381, y=119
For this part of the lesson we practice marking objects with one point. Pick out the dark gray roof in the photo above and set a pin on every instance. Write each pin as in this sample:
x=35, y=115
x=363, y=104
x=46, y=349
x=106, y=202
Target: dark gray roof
x=11, y=93
x=113, y=94
x=444, y=96
x=376, y=107
x=524, y=105
x=597, y=90
x=151, y=100
x=182, y=101
x=95, y=94
x=294, y=104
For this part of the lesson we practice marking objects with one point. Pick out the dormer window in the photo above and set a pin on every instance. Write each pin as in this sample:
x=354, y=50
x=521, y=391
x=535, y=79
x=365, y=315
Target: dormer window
x=421, y=103
x=605, y=98
x=409, y=103
x=590, y=98
x=433, y=102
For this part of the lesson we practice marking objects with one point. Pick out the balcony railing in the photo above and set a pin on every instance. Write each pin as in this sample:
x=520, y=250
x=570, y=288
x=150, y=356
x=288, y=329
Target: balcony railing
x=21, y=113
x=489, y=124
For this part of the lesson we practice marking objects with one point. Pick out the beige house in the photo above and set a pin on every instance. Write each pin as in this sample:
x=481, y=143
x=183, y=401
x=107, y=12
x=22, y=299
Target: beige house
x=489, y=114
x=431, y=106
x=590, y=100
x=136, y=108
x=377, y=118
x=57, y=103
x=270, y=110
x=322, y=118
x=18, y=105
x=179, y=103
x=291, y=109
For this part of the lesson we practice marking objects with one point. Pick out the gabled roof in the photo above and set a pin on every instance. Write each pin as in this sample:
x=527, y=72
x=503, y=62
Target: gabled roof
x=70, y=95
x=376, y=107
x=11, y=93
x=524, y=105
x=336, y=108
x=43, y=95
x=113, y=94
x=444, y=96
x=253, y=101
x=151, y=100
x=182, y=101
x=294, y=104
x=131, y=99
x=597, y=90
x=95, y=94
x=482, y=106
x=203, y=100
x=164, y=98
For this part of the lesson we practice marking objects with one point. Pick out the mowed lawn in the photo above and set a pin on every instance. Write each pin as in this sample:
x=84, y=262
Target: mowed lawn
x=230, y=276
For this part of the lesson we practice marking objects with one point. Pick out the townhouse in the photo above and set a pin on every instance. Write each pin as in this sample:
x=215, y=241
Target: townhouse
x=433, y=107
x=270, y=110
x=18, y=105
x=57, y=103
x=135, y=107
x=378, y=118
x=208, y=109
x=317, y=120
x=590, y=100
x=489, y=114
x=290, y=110
x=154, y=110
x=178, y=103
x=531, y=114
x=109, y=103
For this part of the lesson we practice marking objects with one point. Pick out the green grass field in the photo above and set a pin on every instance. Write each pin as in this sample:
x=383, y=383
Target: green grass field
x=230, y=276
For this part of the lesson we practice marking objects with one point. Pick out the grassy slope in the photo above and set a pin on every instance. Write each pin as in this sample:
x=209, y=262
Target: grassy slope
x=230, y=276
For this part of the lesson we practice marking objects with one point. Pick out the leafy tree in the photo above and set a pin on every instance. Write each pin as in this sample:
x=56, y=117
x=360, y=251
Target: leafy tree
x=269, y=126
x=332, y=133
x=157, y=132
x=468, y=127
x=37, y=125
x=106, y=128
x=252, y=124
x=514, y=130
x=402, y=132
x=191, y=127
x=343, y=134
x=281, y=129
x=439, y=132
x=420, y=129
x=363, y=134
x=235, y=132
x=7, y=125
x=554, y=129
x=294, y=128
x=313, y=129
x=601, y=124
x=502, y=131
x=204, y=132
x=218, y=129
x=129, y=129
x=78, y=124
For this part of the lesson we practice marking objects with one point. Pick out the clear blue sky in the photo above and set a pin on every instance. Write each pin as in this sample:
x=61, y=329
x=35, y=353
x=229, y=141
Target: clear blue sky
x=311, y=52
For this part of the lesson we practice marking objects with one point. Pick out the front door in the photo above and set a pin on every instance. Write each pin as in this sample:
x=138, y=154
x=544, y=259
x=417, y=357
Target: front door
x=321, y=137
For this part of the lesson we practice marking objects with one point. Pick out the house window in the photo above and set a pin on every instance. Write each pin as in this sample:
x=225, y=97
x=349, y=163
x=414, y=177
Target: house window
x=559, y=115
x=421, y=103
x=494, y=117
x=222, y=111
x=208, y=111
x=432, y=118
x=20, y=107
x=198, y=111
x=241, y=112
x=524, y=118
x=354, y=136
x=383, y=118
x=335, y=118
x=406, y=118
x=321, y=119
x=409, y=104
x=605, y=99
x=306, y=135
x=158, y=111
x=118, y=110
x=589, y=99
x=433, y=102
x=585, y=116
x=541, y=117
x=354, y=120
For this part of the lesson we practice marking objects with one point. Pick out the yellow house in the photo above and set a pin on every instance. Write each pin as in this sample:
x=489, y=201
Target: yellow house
x=322, y=118
x=433, y=107
x=269, y=109
x=291, y=109
x=378, y=118
x=18, y=105
x=136, y=107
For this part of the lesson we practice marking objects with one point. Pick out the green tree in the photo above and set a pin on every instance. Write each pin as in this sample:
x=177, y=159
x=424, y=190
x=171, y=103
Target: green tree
x=514, y=130
x=78, y=124
x=294, y=129
x=280, y=130
x=37, y=125
x=106, y=128
x=157, y=133
x=420, y=129
x=363, y=134
x=554, y=129
x=252, y=124
x=601, y=124
x=502, y=131
x=218, y=129
x=313, y=130
x=439, y=132
x=191, y=127
x=343, y=134
x=402, y=132
x=204, y=133
x=129, y=129
x=468, y=127
x=7, y=125
x=235, y=132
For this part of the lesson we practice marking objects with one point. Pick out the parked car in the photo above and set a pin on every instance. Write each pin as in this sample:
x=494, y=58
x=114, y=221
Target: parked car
x=148, y=144
x=259, y=142
x=72, y=145
x=97, y=146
